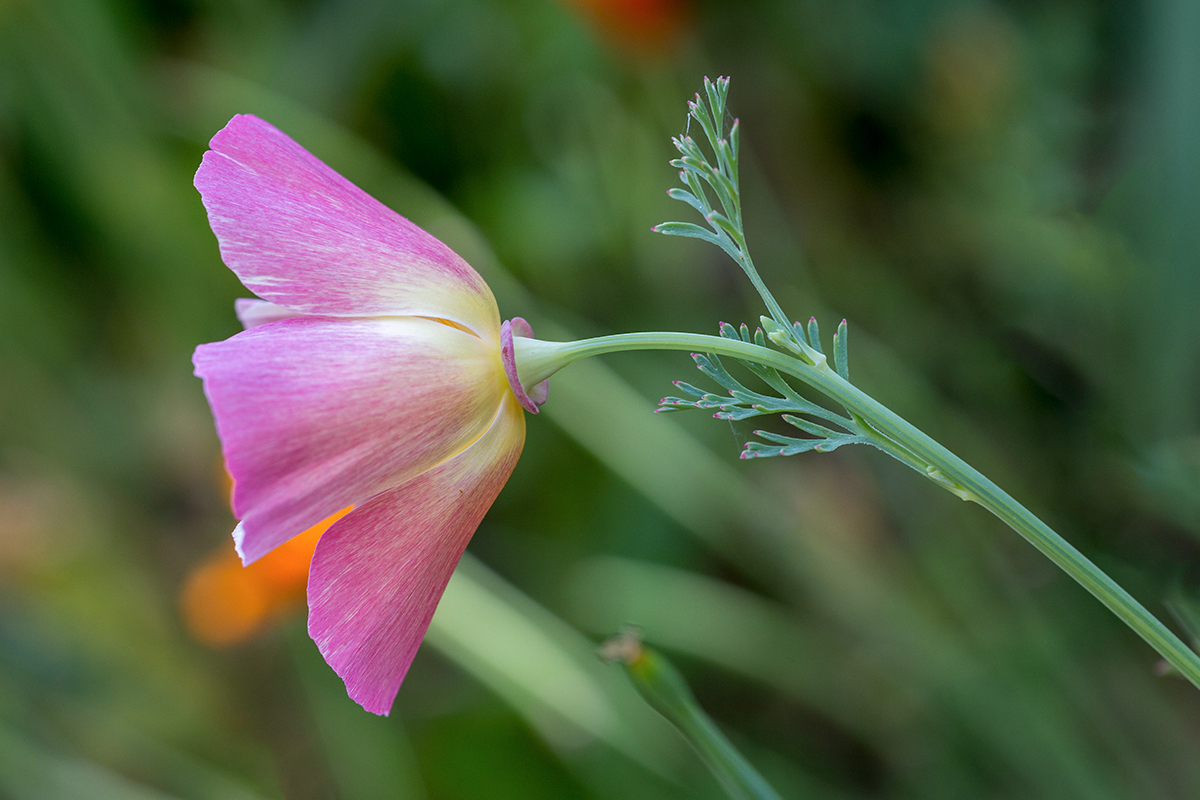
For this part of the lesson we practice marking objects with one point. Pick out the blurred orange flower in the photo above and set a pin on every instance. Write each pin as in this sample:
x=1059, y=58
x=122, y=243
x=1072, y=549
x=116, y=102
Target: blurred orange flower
x=224, y=603
x=644, y=25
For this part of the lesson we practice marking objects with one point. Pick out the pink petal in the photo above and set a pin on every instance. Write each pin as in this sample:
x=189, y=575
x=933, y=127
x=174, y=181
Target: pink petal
x=300, y=235
x=378, y=573
x=251, y=312
x=316, y=414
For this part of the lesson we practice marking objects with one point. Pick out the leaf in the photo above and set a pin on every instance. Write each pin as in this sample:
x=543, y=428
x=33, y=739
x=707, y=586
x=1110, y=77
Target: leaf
x=734, y=139
x=702, y=115
x=687, y=388
x=814, y=335
x=721, y=221
x=711, y=366
x=727, y=191
x=739, y=413
x=790, y=446
x=795, y=447
x=811, y=427
x=841, y=355
x=686, y=229
x=687, y=197
x=675, y=404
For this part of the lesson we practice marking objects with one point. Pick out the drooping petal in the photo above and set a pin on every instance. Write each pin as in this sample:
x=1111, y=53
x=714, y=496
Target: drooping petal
x=316, y=413
x=299, y=234
x=252, y=311
x=378, y=574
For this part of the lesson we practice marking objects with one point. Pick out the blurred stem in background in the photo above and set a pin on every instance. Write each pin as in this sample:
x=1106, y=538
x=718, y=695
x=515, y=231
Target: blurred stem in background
x=657, y=680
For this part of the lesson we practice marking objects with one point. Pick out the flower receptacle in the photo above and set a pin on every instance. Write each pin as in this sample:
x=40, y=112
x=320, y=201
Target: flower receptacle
x=537, y=359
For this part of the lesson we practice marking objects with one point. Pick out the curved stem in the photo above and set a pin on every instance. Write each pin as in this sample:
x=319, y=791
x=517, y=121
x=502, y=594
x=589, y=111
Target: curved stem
x=905, y=440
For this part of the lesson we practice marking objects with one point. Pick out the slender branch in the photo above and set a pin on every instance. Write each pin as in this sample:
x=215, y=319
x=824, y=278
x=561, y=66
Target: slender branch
x=902, y=440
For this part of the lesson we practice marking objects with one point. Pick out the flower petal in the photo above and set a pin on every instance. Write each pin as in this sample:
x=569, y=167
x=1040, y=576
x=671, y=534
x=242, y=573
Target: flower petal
x=252, y=311
x=316, y=414
x=300, y=235
x=377, y=575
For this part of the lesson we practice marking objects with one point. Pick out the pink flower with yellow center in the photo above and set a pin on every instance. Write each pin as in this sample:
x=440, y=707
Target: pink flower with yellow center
x=374, y=373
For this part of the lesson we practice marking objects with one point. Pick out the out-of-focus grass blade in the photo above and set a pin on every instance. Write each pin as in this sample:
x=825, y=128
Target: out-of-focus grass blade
x=30, y=772
x=543, y=668
x=724, y=625
x=731, y=627
x=370, y=757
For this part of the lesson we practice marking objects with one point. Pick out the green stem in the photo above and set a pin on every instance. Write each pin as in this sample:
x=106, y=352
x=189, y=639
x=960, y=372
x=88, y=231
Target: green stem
x=537, y=360
x=769, y=299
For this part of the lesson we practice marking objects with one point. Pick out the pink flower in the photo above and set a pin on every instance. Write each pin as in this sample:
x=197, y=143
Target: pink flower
x=375, y=373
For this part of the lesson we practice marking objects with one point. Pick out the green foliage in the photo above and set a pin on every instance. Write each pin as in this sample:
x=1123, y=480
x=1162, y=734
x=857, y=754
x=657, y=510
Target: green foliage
x=705, y=179
x=742, y=403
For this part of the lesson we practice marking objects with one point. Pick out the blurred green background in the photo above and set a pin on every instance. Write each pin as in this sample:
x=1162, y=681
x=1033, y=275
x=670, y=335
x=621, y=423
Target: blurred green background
x=1002, y=198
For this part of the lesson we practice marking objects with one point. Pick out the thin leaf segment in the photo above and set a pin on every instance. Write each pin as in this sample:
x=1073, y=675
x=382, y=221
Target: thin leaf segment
x=743, y=403
x=704, y=180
